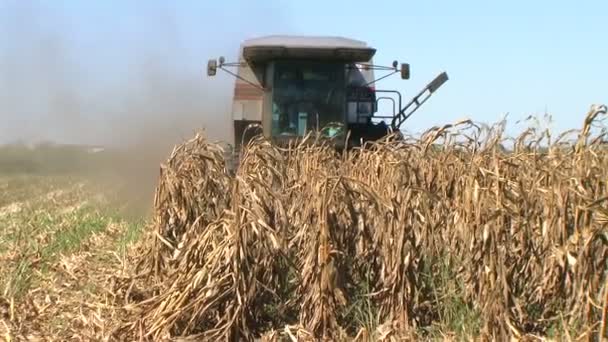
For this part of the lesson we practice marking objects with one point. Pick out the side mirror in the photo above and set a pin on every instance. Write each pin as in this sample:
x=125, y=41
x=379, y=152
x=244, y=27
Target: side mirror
x=211, y=67
x=405, y=71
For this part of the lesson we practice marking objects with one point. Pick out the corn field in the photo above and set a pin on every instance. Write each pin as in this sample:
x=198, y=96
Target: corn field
x=387, y=242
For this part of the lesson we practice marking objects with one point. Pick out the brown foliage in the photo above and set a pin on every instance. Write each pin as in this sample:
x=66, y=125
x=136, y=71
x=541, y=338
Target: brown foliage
x=283, y=246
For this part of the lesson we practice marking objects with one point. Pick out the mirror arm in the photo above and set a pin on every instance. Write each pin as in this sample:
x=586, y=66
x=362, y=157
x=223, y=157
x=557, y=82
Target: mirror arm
x=233, y=64
x=381, y=78
x=372, y=67
x=221, y=67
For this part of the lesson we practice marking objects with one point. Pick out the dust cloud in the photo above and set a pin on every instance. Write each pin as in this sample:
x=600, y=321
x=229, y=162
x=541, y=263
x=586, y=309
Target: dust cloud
x=130, y=77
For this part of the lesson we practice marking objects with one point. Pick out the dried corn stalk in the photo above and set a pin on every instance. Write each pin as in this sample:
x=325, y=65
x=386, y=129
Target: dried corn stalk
x=293, y=242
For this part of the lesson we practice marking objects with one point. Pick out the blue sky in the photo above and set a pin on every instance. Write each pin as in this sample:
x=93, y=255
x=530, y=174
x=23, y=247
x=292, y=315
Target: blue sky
x=516, y=57
x=76, y=70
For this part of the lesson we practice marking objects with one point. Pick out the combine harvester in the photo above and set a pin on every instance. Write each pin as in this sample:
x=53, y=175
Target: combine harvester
x=289, y=86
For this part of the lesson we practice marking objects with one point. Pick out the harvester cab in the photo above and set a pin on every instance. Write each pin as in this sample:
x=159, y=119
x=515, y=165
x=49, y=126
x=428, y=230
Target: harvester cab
x=291, y=85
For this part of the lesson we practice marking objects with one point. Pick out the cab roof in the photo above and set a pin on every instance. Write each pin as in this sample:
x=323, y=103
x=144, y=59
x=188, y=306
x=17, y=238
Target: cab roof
x=329, y=48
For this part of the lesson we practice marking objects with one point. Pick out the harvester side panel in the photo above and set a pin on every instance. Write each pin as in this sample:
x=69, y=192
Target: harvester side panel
x=247, y=104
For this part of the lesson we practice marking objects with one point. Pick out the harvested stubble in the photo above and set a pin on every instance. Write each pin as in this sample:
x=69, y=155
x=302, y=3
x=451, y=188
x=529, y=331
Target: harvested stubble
x=294, y=241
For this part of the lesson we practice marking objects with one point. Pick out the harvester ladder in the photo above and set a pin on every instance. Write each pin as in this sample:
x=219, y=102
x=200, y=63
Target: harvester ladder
x=418, y=100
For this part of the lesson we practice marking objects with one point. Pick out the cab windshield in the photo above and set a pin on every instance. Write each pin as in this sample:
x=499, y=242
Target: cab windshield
x=307, y=96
